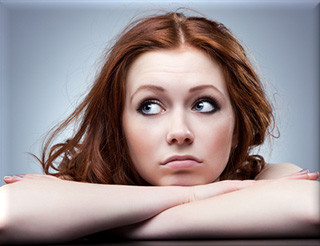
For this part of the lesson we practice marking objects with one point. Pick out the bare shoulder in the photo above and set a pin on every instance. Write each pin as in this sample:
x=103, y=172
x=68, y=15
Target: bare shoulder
x=274, y=171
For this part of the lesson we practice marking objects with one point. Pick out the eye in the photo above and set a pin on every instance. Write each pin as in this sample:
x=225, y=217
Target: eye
x=150, y=107
x=206, y=105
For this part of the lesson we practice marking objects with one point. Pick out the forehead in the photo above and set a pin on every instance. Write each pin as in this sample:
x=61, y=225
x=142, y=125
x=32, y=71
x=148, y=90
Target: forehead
x=185, y=66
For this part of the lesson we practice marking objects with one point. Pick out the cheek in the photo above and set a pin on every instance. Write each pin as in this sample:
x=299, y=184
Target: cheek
x=221, y=136
x=217, y=141
x=142, y=140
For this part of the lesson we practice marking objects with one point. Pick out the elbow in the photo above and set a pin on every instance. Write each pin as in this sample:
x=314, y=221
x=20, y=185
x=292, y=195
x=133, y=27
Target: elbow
x=8, y=231
x=311, y=209
x=3, y=237
x=7, y=236
x=310, y=217
x=3, y=215
x=306, y=208
x=295, y=208
x=309, y=224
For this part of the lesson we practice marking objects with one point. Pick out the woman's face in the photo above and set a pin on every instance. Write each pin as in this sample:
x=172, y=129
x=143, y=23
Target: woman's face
x=178, y=119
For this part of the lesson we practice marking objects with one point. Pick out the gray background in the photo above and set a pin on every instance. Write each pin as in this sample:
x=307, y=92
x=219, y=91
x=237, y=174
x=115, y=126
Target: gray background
x=50, y=52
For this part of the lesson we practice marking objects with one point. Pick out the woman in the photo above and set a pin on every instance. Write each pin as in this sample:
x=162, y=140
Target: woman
x=163, y=149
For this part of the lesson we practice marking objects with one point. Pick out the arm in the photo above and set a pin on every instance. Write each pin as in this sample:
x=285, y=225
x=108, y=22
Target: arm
x=46, y=209
x=279, y=208
x=270, y=202
x=280, y=170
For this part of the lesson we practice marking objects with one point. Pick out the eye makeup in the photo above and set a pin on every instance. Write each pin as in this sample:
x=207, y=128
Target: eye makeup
x=149, y=107
x=204, y=104
x=210, y=107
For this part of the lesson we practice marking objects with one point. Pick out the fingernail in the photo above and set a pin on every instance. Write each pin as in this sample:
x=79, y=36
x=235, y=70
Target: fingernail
x=314, y=172
x=7, y=177
x=10, y=177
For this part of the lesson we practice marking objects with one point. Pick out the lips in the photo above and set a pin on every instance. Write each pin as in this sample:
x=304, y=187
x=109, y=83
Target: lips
x=181, y=161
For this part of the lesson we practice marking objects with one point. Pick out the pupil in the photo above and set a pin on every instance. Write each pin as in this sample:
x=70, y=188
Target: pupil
x=147, y=107
x=200, y=105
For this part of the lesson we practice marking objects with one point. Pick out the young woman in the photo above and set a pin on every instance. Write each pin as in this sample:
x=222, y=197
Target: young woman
x=163, y=149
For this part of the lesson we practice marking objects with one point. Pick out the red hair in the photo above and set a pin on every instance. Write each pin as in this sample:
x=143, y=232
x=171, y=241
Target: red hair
x=98, y=152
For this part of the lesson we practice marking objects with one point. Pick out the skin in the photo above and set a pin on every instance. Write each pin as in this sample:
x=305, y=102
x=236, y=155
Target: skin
x=176, y=118
x=55, y=210
x=61, y=210
x=285, y=208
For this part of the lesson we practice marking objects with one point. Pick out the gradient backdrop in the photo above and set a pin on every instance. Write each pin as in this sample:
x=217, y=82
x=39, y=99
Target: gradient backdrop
x=50, y=53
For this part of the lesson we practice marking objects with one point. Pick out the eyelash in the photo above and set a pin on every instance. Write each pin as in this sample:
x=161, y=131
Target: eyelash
x=145, y=103
x=208, y=99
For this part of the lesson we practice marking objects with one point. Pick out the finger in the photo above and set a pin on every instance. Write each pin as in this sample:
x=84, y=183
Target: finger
x=15, y=178
x=313, y=175
x=36, y=176
x=12, y=178
x=303, y=175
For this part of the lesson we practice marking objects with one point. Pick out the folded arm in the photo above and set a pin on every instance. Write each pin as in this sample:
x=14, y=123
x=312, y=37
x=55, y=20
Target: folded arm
x=278, y=208
x=41, y=208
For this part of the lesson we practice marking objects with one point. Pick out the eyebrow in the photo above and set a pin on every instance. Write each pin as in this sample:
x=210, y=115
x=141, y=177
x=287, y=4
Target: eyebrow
x=202, y=87
x=148, y=87
x=161, y=89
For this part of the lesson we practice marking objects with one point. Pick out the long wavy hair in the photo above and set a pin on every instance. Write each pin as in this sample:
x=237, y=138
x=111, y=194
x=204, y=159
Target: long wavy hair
x=98, y=153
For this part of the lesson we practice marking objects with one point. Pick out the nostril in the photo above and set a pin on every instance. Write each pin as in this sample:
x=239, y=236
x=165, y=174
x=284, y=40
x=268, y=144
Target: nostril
x=188, y=140
x=181, y=138
x=174, y=140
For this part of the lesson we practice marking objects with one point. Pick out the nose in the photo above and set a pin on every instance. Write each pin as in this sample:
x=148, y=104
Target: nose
x=179, y=132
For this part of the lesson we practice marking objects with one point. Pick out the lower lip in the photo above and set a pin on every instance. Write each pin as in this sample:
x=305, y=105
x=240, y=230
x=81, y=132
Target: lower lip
x=181, y=164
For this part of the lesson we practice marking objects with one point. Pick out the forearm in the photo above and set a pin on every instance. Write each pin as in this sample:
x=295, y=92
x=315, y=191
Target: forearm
x=283, y=208
x=44, y=208
x=64, y=210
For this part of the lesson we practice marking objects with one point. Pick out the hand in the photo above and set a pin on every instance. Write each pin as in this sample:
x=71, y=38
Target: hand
x=303, y=174
x=15, y=178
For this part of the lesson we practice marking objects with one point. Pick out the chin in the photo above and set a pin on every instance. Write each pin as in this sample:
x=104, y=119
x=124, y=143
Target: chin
x=183, y=180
